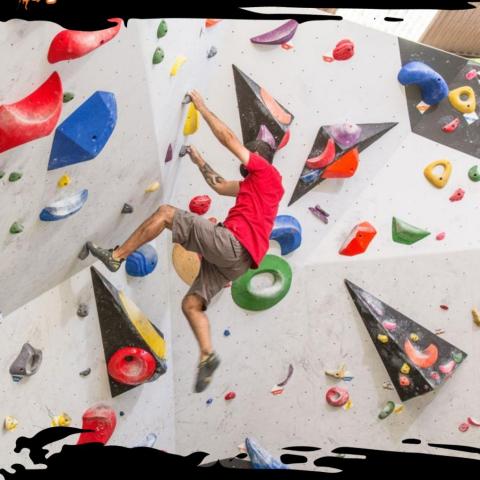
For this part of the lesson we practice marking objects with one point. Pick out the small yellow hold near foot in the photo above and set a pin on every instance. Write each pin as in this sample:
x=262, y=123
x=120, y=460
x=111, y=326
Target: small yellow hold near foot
x=476, y=316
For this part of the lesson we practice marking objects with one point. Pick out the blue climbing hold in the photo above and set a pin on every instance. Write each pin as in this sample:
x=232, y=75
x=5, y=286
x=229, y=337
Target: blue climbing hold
x=64, y=207
x=287, y=231
x=260, y=458
x=209, y=401
x=84, y=134
x=226, y=333
x=142, y=262
x=432, y=85
x=311, y=176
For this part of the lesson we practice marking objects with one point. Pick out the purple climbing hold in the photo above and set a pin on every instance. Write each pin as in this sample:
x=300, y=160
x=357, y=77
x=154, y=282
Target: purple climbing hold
x=345, y=134
x=279, y=35
x=169, y=155
x=320, y=213
x=266, y=136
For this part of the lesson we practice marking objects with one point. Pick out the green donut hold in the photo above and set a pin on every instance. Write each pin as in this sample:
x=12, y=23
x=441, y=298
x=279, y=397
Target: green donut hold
x=246, y=297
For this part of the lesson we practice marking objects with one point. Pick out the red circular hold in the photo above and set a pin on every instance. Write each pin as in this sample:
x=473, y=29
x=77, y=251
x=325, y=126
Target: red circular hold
x=131, y=366
x=344, y=50
x=337, y=396
x=230, y=396
x=463, y=427
x=200, y=204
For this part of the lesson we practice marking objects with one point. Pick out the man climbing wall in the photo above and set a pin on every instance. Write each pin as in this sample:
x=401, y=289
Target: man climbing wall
x=228, y=249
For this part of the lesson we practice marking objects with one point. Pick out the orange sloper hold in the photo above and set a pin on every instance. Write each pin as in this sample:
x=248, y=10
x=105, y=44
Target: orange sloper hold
x=422, y=359
x=275, y=109
x=344, y=167
x=358, y=240
x=211, y=22
x=33, y=117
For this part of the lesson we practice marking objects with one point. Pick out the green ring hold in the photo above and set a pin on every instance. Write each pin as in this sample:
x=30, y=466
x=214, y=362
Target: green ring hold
x=162, y=29
x=474, y=174
x=158, y=56
x=246, y=297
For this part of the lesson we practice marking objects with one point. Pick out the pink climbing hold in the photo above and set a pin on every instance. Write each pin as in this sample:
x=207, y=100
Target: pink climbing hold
x=200, y=204
x=344, y=50
x=463, y=427
x=471, y=74
x=327, y=59
x=473, y=421
x=390, y=326
x=457, y=195
x=451, y=126
x=337, y=396
x=230, y=396
x=435, y=376
x=71, y=44
x=440, y=236
x=448, y=367
x=33, y=117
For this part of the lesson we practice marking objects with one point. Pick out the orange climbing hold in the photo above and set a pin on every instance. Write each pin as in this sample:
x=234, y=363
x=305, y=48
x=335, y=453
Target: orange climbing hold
x=275, y=109
x=422, y=359
x=33, y=117
x=325, y=158
x=211, y=22
x=358, y=240
x=344, y=167
x=71, y=44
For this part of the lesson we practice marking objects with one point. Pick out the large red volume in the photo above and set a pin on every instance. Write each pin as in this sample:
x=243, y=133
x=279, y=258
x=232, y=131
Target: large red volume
x=71, y=44
x=33, y=117
x=102, y=420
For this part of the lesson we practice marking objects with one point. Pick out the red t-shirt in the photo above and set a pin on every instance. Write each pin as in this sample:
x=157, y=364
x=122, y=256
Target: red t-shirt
x=252, y=217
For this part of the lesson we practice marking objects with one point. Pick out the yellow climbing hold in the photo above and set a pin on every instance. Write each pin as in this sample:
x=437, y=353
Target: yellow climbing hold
x=399, y=408
x=153, y=187
x=63, y=181
x=62, y=420
x=441, y=179
x=179, y=61
x=348, y=405
x=382, y=338
x=464, y=105
x=476, y=316
x=10, y=423
x=414, y=337
x=192, y=121
x=405, y=368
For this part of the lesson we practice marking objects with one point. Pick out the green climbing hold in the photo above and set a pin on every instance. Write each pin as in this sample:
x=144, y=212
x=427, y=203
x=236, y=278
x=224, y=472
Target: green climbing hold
x=14, y=176
x=162, y=29
x=2, y=173
x=387, y=410
x=67, y=96
x=474, y=174
x=245, y=295
x=158, y=56
x=457, y=357
x=16, y=228
x=403, y=232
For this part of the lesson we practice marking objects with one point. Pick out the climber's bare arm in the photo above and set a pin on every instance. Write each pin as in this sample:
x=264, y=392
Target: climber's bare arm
x=224, y=135
x=217, y=182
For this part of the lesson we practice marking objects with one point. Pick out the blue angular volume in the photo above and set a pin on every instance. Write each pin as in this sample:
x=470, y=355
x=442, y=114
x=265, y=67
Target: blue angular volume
x=84, y=134
x=432, y=85
x=142, y=262
x=64, y=207
x=287, y=231
x=260, y=458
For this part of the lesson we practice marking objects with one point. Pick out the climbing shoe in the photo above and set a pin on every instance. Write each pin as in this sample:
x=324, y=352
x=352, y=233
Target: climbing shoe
x=105, y=256
x=205, y=372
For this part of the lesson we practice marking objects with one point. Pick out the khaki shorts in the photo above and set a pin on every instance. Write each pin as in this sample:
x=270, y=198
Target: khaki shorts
x=223, y=257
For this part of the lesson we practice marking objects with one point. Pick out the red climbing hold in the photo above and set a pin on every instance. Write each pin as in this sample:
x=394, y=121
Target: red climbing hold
x=444, y=307
x=200, y=204
x=344, y=167
x=33, y=117
x=131, y=366
x=440, y=236
x=284, y=140
x=102, y=420
x=451, y=126
x=230, y=396
x=358, y=240
x=211, y=22
x=457, y=195
x=327, y=59
x=344, y=50
x=71, y=44
x=325, y=158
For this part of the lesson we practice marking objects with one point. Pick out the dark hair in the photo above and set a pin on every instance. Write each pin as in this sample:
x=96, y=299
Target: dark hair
x=262, y=148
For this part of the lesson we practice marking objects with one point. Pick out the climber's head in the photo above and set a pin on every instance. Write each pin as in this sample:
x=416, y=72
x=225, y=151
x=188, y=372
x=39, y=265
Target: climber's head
x=261, y=148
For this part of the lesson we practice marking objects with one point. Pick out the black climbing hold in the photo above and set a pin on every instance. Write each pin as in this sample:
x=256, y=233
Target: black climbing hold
x=86, y=372
x=122, y=414
x=83, y=253
x=183, y=151
x=27, y=363
x=82, y=310
x=186, y=99
x=14, y=176
x=68, y=96
x=212, y=52
x=127, y=208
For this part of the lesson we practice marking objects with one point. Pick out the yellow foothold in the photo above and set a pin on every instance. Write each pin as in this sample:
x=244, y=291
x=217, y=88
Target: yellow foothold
x=414, y=337
x=467, y=105
x=405, y=369
x=179, y=61
x=62, y=420
x=382, y=338
x=476, y=316
x=192, y=121
x=440, y=180
x=348, y=405
x=398, y=408
x=153, y=187
x=63, y=181
x=10, y=423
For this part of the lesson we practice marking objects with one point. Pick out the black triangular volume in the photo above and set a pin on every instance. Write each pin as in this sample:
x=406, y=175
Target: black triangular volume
x=371, y=132
x=417, y=360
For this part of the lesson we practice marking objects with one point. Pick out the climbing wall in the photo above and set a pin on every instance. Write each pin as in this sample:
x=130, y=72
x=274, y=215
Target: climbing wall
x=316, y=327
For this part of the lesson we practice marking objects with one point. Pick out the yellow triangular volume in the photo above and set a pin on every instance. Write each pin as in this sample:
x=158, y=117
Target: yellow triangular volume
x=192, y=121
x=440, y=180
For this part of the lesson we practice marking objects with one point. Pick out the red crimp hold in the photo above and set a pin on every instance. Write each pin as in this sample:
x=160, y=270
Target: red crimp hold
x=102, y=420
x=71, y=44
x=230, y=396
x=344, y=50
x=444, y=307
x=463, y=427
x=451, y=126
x=327, y=59
x=471, y=74
x=457, y=195
x=440, y=236
x=325, y=158
x=284, y=140
x=200, y=204
x=287, y=46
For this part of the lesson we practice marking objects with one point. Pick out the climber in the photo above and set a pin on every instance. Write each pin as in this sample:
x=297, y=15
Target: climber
x=229, y=248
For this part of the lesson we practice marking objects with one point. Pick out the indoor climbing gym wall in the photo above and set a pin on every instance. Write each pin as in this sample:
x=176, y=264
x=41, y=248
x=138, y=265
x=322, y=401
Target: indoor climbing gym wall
x=359, y=327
